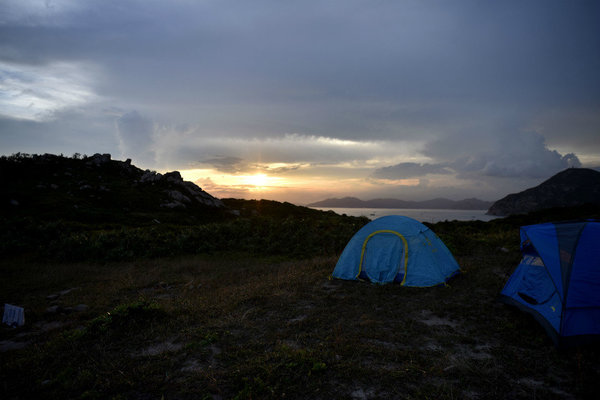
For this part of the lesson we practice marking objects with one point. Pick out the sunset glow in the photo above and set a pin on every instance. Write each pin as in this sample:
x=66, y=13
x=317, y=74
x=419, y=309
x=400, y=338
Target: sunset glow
x=304, y=186
x=259, y=182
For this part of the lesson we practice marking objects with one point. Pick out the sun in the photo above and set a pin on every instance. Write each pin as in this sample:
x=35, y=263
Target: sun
x=257, y=180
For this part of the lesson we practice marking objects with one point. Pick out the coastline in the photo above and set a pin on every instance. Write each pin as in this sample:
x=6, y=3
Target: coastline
x=420, y=214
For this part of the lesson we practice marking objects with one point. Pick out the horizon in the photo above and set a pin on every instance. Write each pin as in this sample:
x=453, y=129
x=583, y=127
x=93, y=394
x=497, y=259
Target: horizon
x=305, y=102
x=310, y=204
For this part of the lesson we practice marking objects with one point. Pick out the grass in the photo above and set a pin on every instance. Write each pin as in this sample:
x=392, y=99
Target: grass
x=231, y=326
x=296, y=235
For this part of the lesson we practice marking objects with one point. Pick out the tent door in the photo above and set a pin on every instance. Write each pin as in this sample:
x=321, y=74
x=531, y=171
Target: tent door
x=383, y=256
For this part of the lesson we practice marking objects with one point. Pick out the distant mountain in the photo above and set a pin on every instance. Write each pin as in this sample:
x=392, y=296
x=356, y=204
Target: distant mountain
x=439, y=203
x=569, y=188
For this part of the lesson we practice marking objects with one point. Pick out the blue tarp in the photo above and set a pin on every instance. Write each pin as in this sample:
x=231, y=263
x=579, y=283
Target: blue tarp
x=396, y=248
x=558, y=280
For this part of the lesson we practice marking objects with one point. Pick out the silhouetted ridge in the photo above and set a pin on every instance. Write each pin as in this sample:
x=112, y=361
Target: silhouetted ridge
x=97, y=188
x=569, y=188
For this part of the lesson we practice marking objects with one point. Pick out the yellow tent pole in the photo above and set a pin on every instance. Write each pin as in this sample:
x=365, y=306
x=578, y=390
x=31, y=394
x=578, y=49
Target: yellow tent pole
x=364, y=246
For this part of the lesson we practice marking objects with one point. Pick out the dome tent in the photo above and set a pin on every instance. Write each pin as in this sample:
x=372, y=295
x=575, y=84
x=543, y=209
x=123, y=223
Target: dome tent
x=558, y=280
x=396, y=249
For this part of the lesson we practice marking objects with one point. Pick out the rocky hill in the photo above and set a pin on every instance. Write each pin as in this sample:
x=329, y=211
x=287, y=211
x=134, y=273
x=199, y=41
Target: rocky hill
x=569, y=188
x=439, y=203
x=98, y=188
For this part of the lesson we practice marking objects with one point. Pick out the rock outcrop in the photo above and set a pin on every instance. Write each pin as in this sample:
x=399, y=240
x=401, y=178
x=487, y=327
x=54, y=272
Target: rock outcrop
x=98, y=187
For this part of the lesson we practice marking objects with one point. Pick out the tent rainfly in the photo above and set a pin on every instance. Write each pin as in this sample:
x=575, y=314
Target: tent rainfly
x=396, y=249
x=558, y=280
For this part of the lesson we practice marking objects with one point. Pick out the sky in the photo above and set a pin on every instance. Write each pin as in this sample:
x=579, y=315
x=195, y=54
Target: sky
x=304, y=100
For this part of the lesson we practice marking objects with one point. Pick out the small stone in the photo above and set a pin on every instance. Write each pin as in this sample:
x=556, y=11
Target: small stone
x=48, y=326
x=53, y=309
x=67, y=291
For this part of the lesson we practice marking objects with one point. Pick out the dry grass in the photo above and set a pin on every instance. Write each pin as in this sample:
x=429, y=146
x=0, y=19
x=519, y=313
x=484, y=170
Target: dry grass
x=230, y=326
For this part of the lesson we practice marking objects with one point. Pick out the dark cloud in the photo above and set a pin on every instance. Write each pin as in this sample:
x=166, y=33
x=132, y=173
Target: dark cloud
x=537, y=166
x=390, y=70
x=521, y=155
x=410, y=170
x=506, y=154
x=282, y=170
x=231, y=165
x=70, y=132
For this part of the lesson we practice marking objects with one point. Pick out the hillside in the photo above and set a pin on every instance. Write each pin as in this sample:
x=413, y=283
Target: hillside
x=569, y=188
x=99, y=189
x=439, y=203
x=96, y=208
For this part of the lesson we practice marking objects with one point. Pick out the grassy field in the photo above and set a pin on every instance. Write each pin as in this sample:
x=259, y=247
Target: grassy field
x=235, y=326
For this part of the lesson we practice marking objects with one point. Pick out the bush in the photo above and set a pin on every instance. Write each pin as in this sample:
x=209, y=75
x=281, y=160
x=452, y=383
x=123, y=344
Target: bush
x=306, y=236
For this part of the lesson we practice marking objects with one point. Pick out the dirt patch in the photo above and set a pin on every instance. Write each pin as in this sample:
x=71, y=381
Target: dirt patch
x=299, y=318
x=193, y=365
x=363, y=394
x=432, y=346
x=429, y=319
x=197, y=365
x=159, y=348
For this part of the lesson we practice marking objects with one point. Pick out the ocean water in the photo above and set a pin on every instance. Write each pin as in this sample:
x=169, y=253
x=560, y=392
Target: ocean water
x=422, y=215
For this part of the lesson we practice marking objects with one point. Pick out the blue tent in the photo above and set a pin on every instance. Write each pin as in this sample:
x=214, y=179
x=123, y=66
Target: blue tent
x=558, y=280
x=396, y=249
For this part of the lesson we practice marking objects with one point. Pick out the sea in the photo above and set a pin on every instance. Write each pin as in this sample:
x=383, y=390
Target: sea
x=421, y=215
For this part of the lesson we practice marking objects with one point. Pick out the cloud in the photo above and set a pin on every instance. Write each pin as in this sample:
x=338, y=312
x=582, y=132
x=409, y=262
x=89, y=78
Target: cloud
x=572, y=127
x=36, y=93
x=38, y=12
x=471, y=163
x=220, y=190
x=236, y=165
x=135, y=134
x=410, y=170
x=391, y=71
x=506, y=154
x=188, y=146
x=226, y=164
x=537, y=166
x=282, y=168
